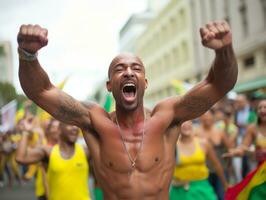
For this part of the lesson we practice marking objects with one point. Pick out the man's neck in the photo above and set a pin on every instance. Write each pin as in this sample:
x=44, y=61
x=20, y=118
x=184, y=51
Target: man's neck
x=130, y=118
x=66, y=148
x=51, y=141
x=186, y=139
x=263, y=125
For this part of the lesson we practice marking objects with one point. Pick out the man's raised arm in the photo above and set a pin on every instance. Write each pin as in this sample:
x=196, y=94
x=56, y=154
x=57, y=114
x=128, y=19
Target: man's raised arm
x=36, y=84
x=220, y=79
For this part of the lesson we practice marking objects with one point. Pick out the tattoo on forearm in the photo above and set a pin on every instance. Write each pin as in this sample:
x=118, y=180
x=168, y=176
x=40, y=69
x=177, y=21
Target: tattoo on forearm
x=69, y=108
x=197, y=105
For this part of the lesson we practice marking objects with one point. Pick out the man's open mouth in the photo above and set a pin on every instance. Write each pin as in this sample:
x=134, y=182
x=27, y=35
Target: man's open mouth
x=129, y=91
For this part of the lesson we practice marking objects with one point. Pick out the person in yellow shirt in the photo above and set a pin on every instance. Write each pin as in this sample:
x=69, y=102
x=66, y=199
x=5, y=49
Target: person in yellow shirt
x=190, y=179
x=67, y=164
x=50, y=139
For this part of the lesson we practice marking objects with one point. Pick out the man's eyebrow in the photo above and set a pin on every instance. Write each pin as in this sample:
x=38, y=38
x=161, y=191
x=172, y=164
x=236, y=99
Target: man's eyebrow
x=123, y=64
x=137, y=63
x=118, y=64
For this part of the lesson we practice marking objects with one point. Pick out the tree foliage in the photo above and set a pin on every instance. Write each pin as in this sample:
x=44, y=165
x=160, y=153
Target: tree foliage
x=7, y=93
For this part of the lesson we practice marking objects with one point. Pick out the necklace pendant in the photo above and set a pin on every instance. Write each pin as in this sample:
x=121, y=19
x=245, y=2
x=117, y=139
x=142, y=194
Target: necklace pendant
x=133, y=165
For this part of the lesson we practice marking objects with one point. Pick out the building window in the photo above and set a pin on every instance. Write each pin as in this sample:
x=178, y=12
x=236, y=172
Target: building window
x=2, y=51
x=265, y=55
x=213, y=10
x=186, y=80
x=198, y=76
x=227, y=19
x=171, y=57
x=263, y=5
x=226, y=11
x=243, y=15
x=169, y=91
x=167, y=62
x=163, y=64
x=164, y=32
x=182, y=19
x=184, y=50
x=173, y=26
x=175, y=57
x=249, y=62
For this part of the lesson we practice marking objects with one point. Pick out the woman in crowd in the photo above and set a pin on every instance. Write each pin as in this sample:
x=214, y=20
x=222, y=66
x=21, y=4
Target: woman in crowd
x=220, y=143
x=191, y=173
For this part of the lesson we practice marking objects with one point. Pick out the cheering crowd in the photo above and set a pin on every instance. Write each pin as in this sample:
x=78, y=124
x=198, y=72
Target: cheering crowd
x=214, y=151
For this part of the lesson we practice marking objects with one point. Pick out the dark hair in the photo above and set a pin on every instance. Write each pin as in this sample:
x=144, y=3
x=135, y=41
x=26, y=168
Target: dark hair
x=259, y=121
x=109, y=72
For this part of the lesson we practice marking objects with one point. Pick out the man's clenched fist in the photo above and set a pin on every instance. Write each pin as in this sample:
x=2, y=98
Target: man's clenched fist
x=216, y=35
x=31, y=38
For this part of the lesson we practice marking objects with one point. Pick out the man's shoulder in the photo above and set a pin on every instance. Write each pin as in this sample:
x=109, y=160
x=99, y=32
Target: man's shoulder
x=96, y=110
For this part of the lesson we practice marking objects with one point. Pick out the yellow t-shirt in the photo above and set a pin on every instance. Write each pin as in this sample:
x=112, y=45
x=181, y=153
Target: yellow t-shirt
x=40, y=178
x=15, y=138
x=261, y=141
x=32, y=169
x=192, y=167
x=39, y=182
x=68, y=178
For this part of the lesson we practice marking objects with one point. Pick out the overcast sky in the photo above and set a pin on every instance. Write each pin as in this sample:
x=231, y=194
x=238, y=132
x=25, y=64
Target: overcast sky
x=83, y=37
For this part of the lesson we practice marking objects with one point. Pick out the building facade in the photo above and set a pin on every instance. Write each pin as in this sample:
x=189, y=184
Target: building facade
x=132, y=29
x=166, y=48
x=247, y=19
x=171, y=46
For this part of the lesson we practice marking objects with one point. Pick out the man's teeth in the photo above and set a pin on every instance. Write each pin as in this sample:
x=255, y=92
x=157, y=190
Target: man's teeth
x=129, y=84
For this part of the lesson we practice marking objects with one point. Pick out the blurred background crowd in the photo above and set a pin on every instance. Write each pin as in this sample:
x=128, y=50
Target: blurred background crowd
x=231, y=150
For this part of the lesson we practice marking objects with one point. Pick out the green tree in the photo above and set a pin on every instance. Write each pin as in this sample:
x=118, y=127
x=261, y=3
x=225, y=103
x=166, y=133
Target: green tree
x=7, y=93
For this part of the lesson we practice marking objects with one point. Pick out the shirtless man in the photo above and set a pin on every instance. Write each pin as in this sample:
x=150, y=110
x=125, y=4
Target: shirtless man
x=133, y=151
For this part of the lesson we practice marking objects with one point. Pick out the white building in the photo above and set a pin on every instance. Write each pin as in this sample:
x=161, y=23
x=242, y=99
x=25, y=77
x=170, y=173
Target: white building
x=247, y=19
x=171, y=45
x=6, y=66
x=166, y=48
x=132, y=29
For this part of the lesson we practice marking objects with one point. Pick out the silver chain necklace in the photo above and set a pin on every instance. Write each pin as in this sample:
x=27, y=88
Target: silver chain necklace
x=132, y=160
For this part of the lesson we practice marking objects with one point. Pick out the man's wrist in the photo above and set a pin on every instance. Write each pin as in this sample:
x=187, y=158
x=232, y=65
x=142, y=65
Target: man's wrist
x=224, y=49
x=24, y=55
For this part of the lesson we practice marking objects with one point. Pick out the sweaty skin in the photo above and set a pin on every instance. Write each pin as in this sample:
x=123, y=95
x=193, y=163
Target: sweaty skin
x=155, y=161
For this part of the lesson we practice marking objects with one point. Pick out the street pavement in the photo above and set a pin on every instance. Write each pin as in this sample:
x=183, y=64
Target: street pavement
x=17, y=192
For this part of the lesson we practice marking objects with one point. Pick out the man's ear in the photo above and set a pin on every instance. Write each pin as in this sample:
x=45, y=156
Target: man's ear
x=146, y=83
x=108, y=85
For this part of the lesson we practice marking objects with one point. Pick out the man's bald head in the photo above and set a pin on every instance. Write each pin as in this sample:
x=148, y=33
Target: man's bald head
x=122, y=57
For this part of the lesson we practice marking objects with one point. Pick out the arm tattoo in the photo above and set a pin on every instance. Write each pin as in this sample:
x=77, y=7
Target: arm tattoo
x=196, y=105
x=69, y=109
